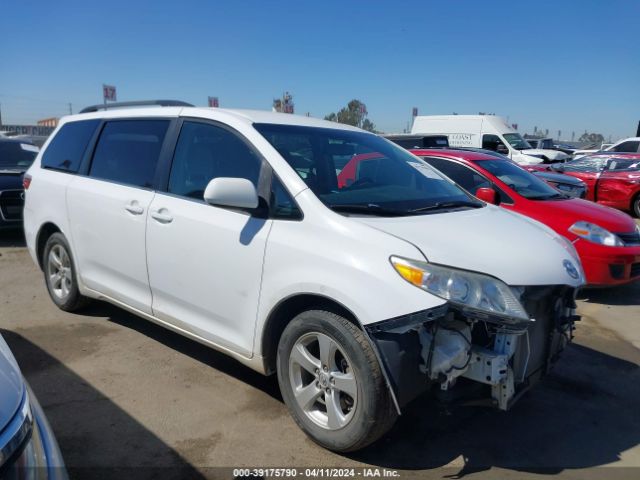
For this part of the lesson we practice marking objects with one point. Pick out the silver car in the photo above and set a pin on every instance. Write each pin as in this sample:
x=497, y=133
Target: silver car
x=28, y=448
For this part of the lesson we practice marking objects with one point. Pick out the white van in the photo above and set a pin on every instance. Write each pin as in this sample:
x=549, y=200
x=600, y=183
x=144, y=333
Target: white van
x=230, y=227
x=488, y=132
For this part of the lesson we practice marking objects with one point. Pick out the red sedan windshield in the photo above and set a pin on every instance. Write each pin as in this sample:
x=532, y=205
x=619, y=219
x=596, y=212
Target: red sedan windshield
x=523, y=182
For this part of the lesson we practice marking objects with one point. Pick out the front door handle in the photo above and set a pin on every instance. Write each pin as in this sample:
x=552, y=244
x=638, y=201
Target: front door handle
x=162, y=215
x=134, y=208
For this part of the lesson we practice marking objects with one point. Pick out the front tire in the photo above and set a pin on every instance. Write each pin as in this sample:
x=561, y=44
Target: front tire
x=332, y=382
x=60, y=274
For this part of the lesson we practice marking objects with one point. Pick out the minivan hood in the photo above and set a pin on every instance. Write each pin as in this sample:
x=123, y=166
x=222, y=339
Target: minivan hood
x=488, y=240
x=11, y=385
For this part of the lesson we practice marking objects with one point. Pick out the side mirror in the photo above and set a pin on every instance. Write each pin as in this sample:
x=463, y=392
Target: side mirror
x=231, y=192
x=500, y=148
x=488, y=195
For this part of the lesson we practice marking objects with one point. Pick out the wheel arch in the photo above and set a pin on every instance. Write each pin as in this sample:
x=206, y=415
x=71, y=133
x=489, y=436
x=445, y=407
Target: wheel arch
x=285, y=311
x=46, y=230
x=288, y=308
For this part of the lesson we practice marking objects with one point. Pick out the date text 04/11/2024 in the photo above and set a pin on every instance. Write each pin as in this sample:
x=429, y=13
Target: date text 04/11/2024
x=314, y=473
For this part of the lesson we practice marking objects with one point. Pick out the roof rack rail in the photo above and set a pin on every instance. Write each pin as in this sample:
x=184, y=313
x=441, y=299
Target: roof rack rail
x=142, y=103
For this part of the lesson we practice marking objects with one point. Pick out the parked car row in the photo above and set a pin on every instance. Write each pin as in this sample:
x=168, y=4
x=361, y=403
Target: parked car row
x=608, y=241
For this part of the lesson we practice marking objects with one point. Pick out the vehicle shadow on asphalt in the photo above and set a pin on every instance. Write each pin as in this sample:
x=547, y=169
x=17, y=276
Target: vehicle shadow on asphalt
x=13, y=237
x=96, y=437
x=583, y=415
x=624, y=295
x=199, y=352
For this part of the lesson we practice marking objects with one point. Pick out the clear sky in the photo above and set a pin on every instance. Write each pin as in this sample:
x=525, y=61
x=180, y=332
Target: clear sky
x=562, y=65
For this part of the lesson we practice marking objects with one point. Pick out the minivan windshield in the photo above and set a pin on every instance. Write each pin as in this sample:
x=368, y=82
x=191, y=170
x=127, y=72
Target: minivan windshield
x=516, y=141
x=357, y=172
x=16, y=155
x=523, y=182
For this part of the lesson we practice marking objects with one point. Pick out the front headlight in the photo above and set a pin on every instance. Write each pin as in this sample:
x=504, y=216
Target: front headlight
x=473, y=290
x=595, y=234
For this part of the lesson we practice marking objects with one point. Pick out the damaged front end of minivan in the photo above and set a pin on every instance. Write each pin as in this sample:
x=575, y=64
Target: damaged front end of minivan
x=475, y=357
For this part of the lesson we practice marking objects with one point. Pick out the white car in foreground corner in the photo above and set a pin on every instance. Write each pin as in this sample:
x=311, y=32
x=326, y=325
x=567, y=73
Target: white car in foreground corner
x=229, y=227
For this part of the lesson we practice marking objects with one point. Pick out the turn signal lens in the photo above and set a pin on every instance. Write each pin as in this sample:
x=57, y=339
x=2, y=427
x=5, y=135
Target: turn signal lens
x=410, y=274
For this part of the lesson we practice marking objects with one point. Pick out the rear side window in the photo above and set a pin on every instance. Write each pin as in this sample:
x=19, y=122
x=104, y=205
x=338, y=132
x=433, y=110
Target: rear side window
x=128, y=151
x=66, y=149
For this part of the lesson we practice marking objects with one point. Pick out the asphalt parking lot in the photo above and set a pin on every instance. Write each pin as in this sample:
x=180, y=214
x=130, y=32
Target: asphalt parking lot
x=124, y=394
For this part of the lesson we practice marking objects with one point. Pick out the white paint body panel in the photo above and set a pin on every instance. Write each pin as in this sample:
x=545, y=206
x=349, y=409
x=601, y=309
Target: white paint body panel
x=340, y=258
x=108, y=240
x=205, y=269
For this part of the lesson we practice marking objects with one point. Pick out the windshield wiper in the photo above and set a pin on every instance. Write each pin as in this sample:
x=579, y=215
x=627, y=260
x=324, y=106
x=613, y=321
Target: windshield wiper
x=368, y=208
x=445, y=205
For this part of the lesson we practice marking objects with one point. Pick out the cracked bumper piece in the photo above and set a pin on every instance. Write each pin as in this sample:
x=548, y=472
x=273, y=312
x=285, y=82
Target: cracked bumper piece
x=471, y=357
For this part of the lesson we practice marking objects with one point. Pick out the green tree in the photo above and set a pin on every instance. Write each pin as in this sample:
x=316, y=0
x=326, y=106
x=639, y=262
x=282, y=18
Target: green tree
x=355, y=114
x=596, y=138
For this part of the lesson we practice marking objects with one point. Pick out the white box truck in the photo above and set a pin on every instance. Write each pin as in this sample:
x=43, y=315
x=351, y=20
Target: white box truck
x=485, y=131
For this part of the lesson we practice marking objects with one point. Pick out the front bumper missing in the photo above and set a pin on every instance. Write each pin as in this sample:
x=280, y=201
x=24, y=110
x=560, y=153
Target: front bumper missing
x=470, y=357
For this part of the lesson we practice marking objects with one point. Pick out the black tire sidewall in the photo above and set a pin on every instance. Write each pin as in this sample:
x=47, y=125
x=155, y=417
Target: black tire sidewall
x=636, y=206
x=369, y=397
x=73, y=299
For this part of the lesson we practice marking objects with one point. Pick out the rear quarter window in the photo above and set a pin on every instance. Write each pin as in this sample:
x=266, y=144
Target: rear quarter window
x=66, y=149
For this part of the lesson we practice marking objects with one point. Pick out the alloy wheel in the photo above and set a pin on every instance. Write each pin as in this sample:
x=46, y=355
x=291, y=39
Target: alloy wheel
x=59, y=272
x=323, y=381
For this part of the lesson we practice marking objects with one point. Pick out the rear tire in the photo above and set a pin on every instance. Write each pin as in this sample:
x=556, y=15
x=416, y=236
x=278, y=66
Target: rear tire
x=332, y=382
x=60, y=274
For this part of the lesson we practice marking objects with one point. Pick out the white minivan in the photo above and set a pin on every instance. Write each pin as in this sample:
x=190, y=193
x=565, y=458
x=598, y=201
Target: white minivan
x=229, y=227
x=488, y=132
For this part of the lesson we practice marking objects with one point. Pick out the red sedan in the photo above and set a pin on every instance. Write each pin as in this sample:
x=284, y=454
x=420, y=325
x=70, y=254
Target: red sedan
x=608, y=241
x=612, y=179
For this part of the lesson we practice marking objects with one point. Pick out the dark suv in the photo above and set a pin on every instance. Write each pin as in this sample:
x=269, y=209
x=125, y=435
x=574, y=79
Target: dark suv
x=16, y=156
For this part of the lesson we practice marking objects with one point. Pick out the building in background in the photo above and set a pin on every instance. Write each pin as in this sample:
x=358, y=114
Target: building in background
x=48, y=122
